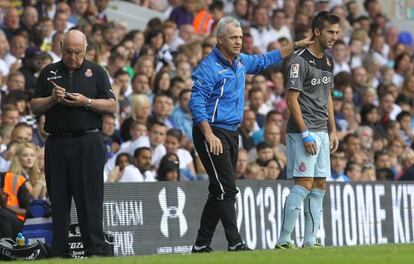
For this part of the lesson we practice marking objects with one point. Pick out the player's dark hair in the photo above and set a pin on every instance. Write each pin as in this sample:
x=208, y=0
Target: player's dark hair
x=322, y=19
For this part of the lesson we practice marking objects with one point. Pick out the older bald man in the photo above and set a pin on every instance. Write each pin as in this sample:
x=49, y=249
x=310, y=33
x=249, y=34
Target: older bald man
x=73, y=94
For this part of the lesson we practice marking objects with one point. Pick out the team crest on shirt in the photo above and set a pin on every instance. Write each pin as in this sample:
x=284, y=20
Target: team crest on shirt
x=88, y=73
x=302, y=166
x=294, y=70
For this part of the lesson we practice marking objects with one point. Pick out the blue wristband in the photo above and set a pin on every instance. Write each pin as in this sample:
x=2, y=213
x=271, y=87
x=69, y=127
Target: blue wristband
x=307, y=137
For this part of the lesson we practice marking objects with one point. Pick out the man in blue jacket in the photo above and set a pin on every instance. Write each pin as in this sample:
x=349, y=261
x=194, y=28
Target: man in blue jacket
x=217, y=104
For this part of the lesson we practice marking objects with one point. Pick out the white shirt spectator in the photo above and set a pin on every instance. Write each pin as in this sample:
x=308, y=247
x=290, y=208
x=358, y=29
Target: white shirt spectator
x=144, y=141
x=341, y=67
x=262, y=37
x=132, y=174
x=283, y=32
x=185, y=158
x=9, y=59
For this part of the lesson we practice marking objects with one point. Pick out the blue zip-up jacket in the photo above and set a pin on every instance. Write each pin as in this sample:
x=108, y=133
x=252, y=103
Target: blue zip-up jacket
x=218, y=87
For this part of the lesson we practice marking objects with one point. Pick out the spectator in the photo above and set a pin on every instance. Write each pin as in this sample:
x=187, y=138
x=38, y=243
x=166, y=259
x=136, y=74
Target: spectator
x=22, y=132
x=181, y=116
x=39, y=133
x=155, y=141
x=5, y=136
x=340, y=57
x=366, y=136
x=407, y=159
x=216, y=9
x=273, y=169
x=368, y=173
x=169, y=168
x=29, y=18
x=260, y=30
x=272, y=136
x=254, y=172
x=264, y=153
x=7, y=155
x=246, y=129
x=18, y=46
x=79, y=11
x=55, y=51
x=408, y=87
x=406, y=132
x=9, y=115
x=122, y=161
x=177, y=85
x=403, y=66
x=162, y=110
x=384, y=174
x=185, y=36
x=257, y=105
x=18, y=198
x=278, y=25
x=241, y=164
x=387, y=107
x=183, y=14
x=143, y=161
x=161, y=82
x=11, y=23
x=353, y=149
x=172, y=146
x=32, y=64
x=25, y=162
x=140, y=109
x=108, y=130
x=241, y=11
x=353, y=171
x=338, y=165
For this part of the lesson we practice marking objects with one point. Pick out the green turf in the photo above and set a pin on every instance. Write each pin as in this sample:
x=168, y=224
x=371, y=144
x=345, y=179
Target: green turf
x=383, y=254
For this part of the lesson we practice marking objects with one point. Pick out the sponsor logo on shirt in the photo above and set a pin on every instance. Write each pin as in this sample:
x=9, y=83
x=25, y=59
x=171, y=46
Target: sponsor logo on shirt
x=324, y=80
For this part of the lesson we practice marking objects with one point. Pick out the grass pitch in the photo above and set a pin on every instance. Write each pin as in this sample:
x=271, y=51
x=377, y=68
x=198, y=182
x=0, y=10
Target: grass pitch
x=378, y=254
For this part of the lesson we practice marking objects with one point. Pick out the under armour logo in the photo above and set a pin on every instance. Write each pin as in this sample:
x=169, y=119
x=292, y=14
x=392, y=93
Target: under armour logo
x=54, y=72
x=172, y=212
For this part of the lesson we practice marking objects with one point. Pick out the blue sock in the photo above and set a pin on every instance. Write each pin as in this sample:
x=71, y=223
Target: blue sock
x=291, y=212
x=313, y=212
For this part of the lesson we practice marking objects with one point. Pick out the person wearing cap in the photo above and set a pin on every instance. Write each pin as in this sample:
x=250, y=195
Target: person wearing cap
x=32, y=63
x=311, y=130
x=73, y=94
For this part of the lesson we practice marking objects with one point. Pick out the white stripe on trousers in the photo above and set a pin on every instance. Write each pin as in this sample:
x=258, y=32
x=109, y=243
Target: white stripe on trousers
x=215, y=171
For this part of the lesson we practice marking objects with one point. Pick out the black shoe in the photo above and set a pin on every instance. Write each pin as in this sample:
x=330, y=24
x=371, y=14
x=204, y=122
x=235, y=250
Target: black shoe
x=202, y=249
x=239, y=247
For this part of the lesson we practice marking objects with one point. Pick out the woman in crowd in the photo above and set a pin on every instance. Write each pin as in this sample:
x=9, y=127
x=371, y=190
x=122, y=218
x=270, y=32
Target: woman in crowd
x=26, y=163
x=140, y=110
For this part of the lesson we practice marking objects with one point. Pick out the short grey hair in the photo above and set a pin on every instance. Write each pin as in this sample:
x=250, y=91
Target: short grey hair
x=221, y=25
x=74, y=31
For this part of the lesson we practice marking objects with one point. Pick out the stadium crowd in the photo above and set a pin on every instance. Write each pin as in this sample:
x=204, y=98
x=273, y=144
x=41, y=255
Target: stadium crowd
x=150, y=136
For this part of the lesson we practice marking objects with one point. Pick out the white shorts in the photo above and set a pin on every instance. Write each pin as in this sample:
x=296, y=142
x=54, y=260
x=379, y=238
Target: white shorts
x=302, y=164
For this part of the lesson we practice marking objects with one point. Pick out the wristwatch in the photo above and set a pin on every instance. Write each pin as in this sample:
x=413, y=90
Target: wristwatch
x=88, y=104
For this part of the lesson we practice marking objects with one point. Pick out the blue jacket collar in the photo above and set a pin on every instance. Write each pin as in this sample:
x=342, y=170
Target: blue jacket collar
x=223, y=59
